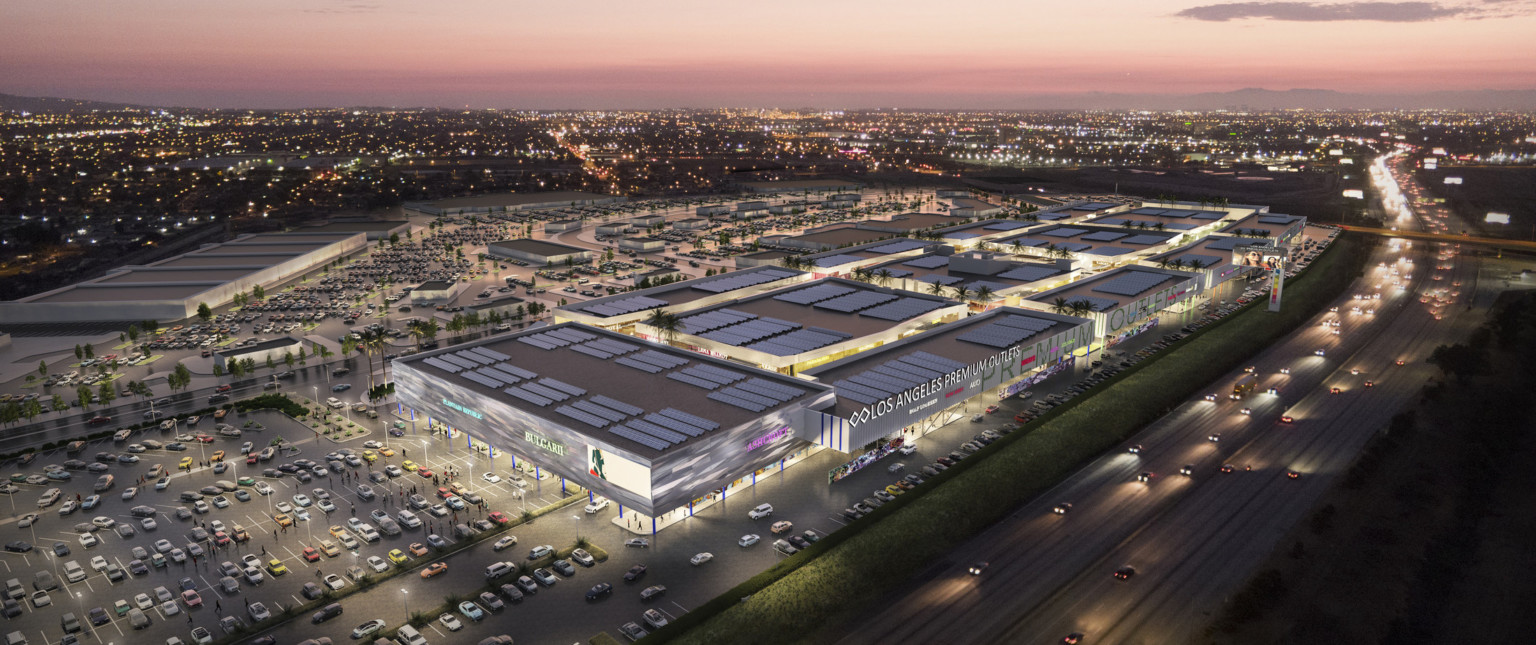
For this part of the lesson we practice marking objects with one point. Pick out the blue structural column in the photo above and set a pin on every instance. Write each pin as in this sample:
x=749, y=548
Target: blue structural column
x=621, y=511
x=562, y=485
x=589, y=497
x=690, y=509
x=653, y=526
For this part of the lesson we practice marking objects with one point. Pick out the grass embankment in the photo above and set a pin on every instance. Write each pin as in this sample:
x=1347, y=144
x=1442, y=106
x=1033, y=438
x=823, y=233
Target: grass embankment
x=1434, y=518
x=859, y=564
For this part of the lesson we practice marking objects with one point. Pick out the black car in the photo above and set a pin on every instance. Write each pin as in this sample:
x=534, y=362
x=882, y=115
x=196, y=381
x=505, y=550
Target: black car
x=19, y=546
x=799, y=542
x=564, y=567
x=599, y=590
x=60, y=549
x=634, y=573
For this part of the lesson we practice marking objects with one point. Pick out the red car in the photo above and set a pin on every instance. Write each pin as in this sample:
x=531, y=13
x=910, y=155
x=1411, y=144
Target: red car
x=96, y=421
x=205, y=438
x=221, y=538
x=425, y=474
x=442, y=493
x=1286, y=419
x=311, y=554
x=500, y=517
x=991, y=409
x=223, y=388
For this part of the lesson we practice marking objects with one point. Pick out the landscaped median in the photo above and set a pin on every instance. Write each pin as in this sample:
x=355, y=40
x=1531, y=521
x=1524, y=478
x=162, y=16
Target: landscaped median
x=409, y=567
x=858, y=564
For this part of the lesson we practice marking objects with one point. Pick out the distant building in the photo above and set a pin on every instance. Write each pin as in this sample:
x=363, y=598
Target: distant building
x=539, y=252
x=503, y=202
x=438, y=291
x=691, y=224
x=276, y=349
x=714, y=209
x=799, y=185
x=504, y=304
x=562, y=225
x=966, y=207
x=613, y=228
x=642, y=244
x=647, y=221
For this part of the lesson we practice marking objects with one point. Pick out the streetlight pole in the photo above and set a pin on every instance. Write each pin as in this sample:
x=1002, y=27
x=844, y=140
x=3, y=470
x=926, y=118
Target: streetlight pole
x=405, y=597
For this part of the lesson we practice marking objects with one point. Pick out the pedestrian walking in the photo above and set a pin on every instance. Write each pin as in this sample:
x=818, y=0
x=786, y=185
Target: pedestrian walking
x=263, y=552
x=217, y=606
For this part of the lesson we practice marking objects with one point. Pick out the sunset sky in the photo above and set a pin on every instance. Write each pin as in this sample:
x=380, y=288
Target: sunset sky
x=695, y=53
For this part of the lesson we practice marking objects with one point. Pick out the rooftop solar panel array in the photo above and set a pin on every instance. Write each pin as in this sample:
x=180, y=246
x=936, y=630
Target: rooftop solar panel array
x=1051, y=217
x=1110, y=250
x=1277, y=219
x=888, y=272
x=624, y=306
x=1006, y=332
x=1027, y=242
x=750, y=331
x=1094, y=206
x=817, y=293
x=903, y=309
x=1029, y=273
x=712, y=320
x=462, y=363
x=1064, y=232
x=927, y=262
x=1182, y=226
x=1229, y=243
x=443, y=365
x=799, y=341
x=743, y=280
x=1205, y=261
x=1104, y=236
x=894, y=376
x=1112, y=221
x=855, y=301
x=945, y=280
x=640, y=437
x=1147, y=239
x=1005, y=226
x=1148, y=211
x=1208, y=215
x=489, y=353
x=1131, y=283
x=897, y=247
x=584, y=417
x=835, y=260
x=1074, y=247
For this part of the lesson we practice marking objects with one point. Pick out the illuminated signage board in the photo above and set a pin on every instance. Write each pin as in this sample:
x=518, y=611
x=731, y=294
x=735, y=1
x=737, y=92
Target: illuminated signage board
x=471, y=412
x=768, y=438
x=545, y=442
x=619, y=471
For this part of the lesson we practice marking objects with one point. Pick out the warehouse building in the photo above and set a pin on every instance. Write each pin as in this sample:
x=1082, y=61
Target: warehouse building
x=563, y=225
x=1123, y=302
x=1095, y=246
x=539, y=252
x=642, y=244
x=620, y=312
x=983, y=278
x=276, y=349
x=172, y=289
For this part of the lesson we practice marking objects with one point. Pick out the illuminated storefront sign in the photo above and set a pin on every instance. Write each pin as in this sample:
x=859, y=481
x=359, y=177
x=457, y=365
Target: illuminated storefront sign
x=865, y=459
x=619, y=471
x=463, y=409
x=545, y=442
x=1066, y=362
x=768, y=438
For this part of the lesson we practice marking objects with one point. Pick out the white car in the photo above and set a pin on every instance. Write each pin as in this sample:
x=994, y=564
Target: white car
x=334, y=581
x=302, y=500
x=762, y=511
x=490, y=477
x=451, y=622
x=378, y=564
x=701, y=558
x=597, y=505
x=262, y=488
x=259, y=612
x=746, y=540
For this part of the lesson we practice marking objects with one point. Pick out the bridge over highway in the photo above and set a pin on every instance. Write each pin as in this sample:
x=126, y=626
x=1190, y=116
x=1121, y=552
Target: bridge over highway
x=1495, y=242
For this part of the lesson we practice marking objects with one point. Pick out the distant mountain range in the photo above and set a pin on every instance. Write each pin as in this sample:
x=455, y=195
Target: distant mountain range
x=1252, y=98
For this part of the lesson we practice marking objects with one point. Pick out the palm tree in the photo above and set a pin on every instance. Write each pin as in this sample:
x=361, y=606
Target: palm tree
x=936, y=288
x=424, y=330
x=883, y=277
x=1018, y=245
x=984, y=294
x=372, y=341
x=1081, y=308
x=961, y=292
x=1178, y=264
x=665, y=322
x=862, y=274
x=1060, y=306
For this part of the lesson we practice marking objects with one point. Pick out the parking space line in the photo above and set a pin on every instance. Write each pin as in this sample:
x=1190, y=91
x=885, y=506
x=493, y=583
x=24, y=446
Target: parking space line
x=674, y=604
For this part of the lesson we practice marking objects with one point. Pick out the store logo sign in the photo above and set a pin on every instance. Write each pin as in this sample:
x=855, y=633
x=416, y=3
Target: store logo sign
x=454, y=405
x=767, y=438
x=545, y=442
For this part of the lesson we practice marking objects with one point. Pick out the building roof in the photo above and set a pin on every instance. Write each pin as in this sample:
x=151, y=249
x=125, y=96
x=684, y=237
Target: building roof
x=1272, y=224
x=434, y=285
x=907, y=222
x=1112, y=289
x=842, y=234
x=358, y=226
x=935, y=268
x=1092, y=240
x=644, y=397
x=271, y=343
x=519, y=199
x=935, y=352
x=86, y=293
x=680, y=293
x=538, y=247
x=203, y=275
x=804, y=317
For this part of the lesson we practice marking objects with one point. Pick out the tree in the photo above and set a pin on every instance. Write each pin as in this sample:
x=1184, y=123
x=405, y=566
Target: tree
x=258, y=292
x=58, y=404
x=1060, y=306
x=665, y=323
x=79, y=353
x=218, y=370
x=34, y=408
x=90, y=352
x=301, y=354
x=883, y=277
x=83, y=395
x=936, y=288
x=961, y=292
x=249, y=364
x=10, y=412
x=204, y=312
x=106, y=393
x=42, y=368
x=984, y=295
x=288, y=359
x=133, y=333
x=426, y=330
x=271, y=363
x=236, y=369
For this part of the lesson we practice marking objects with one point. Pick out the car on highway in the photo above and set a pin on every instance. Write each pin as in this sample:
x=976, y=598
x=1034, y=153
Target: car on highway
x=1144, y=477
x=1125, y=572
x=1062, y=508
x=977, y=568
x=434, y=569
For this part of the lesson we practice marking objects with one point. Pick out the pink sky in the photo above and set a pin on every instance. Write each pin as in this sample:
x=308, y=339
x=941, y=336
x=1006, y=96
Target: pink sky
x=695, y=53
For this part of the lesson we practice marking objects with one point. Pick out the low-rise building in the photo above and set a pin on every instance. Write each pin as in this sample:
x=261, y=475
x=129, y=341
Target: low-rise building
x=539, y=252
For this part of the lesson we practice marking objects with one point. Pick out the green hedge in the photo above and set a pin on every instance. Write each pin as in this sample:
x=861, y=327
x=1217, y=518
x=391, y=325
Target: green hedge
x=858, y=564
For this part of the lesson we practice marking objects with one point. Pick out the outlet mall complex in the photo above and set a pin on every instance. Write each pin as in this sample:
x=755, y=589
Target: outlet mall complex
x=756, y=369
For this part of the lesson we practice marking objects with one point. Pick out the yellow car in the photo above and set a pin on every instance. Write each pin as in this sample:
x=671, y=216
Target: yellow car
x=337, y=532
x=186, y=462
x=276, y=567
x=218, y=455
x=283, y=519
x=387, y=452
x=329, y=548
x=409, y=465
x=397, y=556
x=894, y=489
x=368, y=454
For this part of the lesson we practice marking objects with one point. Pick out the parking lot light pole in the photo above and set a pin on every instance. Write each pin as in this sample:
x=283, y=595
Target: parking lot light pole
x=405, y=597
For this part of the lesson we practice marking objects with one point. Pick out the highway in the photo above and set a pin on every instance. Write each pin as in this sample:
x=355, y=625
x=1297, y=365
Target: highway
x=1191, y=539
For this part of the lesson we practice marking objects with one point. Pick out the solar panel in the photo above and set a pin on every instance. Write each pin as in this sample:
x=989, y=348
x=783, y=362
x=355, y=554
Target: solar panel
x=499, y=374
x=659, y=359
x=1027, y=242
x=674, y=425
x=997, y=335
x=513, y=369
x=616, y=404
x=536, y=342
x=1104, y=236
x=598, y=411
x=1230, y=243
x=569, y=334
x=855, y=301
x=1147, y=239
x=472, y=357
x=1182, y=226
x=865, y=380
x=911, y=371
x=603, y=310
x=656, y=431
x=1178, y=213
x=1005, y=226
x=886, y=272
x=736, y=281
x=562, y=386
x=1206, y=261
x=644, y=367
x=769, y=386
x=625, y=306
x=897, y=247
x=1051, y=217
x=1277, y=219
x=443, y=365
x=463, y=363
x=591, y=351
x=550, y=339
x=1208, y=215
x=928, y=262
x=1110, y=250
x=1147, y=211
x=693, y=380
x=640, y=438
x=902, y=309
x=858, y=393
x=1131, y=283
x=896, y=375
x=483, y=380
x=528, y=396
x=994, y=286
x=945, y=280
x=943, y=364
x=1064, y=232
x=717, y=374
x=489, y=353
x=584, y=417
x=744, y=404
x=1111, y=221
x=546, y=392
x=817, y=293
x=612, y=346
x=837, y=260
x=1026, y=322
x=690, y=419
x=1029, y=273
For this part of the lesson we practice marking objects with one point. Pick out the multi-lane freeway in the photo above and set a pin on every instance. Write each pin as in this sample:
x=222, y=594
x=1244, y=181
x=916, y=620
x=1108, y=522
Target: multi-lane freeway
x=1191, y=539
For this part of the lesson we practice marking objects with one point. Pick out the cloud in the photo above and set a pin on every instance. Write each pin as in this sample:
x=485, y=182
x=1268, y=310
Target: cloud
x=1319, y=12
